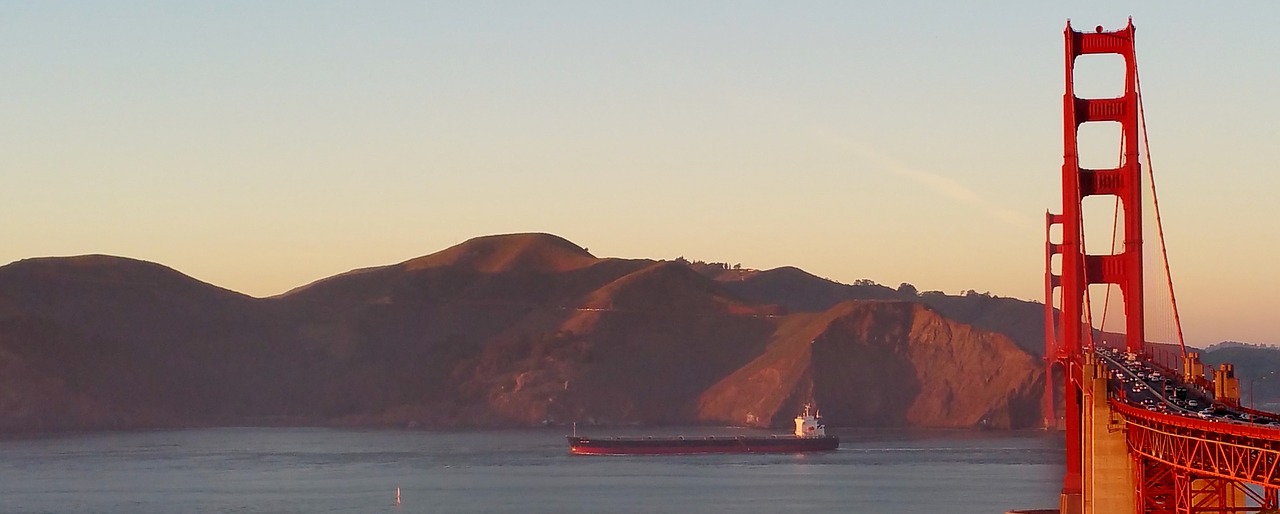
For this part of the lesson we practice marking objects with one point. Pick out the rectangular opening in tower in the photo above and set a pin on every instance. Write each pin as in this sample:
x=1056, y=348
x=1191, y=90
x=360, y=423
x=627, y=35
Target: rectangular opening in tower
x=1100, y=144
x=1101, y=221
x=1106, y=310
x=1098, y=76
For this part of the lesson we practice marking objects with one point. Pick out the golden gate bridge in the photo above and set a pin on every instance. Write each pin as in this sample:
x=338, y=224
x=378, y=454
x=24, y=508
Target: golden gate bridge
x=1145, y=432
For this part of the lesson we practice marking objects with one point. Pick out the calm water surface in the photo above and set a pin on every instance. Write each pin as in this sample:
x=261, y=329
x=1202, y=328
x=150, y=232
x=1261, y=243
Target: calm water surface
x=273, y=470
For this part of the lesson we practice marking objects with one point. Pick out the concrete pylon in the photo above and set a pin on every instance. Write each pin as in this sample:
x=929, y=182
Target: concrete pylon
x=1226, y=387
x=1109, y=478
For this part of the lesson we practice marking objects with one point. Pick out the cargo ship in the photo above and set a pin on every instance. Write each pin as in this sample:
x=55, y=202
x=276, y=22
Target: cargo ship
x=810, y=436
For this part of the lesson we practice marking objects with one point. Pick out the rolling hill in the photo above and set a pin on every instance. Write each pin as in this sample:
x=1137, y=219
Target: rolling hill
x=508, y=330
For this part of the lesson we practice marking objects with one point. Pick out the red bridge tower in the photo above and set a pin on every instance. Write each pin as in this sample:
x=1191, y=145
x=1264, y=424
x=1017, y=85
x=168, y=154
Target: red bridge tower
x=1068, y=340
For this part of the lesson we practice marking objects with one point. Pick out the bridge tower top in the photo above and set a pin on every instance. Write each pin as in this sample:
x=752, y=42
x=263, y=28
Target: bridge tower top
x=1079, y=268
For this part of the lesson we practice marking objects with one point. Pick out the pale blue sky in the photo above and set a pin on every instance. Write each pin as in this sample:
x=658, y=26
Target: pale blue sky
x=261, y=145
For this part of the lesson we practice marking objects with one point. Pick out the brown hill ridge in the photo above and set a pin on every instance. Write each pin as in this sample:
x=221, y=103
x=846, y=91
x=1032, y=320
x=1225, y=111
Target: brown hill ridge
x=510, y=330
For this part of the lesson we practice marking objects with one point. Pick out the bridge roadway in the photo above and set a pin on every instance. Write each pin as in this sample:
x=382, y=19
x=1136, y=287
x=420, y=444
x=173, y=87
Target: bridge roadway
x=1186, y=433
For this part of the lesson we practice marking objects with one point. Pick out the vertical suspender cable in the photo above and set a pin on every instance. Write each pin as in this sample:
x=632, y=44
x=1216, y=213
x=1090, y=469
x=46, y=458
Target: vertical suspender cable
x=1088, y=302
x=1164, y=251
x=1115, y=235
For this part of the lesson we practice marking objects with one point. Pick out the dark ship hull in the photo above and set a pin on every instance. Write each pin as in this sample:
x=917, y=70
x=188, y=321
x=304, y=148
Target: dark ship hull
x=693, y=445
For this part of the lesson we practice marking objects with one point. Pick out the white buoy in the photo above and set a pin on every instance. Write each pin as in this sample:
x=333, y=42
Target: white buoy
x=397, y=496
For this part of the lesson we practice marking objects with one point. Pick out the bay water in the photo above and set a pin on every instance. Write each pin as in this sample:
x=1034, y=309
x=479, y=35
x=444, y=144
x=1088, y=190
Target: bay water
x=313, y=470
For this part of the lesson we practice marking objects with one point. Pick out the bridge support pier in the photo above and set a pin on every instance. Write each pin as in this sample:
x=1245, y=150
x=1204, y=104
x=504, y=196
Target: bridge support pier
x=1110, y=478
x=1070, y=503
